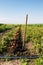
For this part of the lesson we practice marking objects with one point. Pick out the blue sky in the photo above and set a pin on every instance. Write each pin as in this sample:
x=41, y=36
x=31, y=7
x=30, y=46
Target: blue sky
x=14, y=11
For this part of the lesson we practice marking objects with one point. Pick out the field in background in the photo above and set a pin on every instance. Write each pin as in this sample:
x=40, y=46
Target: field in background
x=34, y=40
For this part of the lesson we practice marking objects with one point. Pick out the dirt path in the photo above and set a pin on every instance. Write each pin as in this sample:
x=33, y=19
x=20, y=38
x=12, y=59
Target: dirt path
x=14, y=62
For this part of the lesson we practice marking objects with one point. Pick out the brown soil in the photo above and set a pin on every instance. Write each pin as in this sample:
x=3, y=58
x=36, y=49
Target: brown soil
x=16, y=62
x=13, y=62
x=29, y=45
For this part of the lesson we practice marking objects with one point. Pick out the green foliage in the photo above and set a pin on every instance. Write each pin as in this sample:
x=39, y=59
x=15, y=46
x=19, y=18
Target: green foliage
x=34, y=33
x=24, y=61
x=4, y=27
x=38, y=61
x=6, y=37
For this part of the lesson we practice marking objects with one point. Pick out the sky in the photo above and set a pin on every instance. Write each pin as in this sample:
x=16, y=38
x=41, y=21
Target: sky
x=15, y=11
